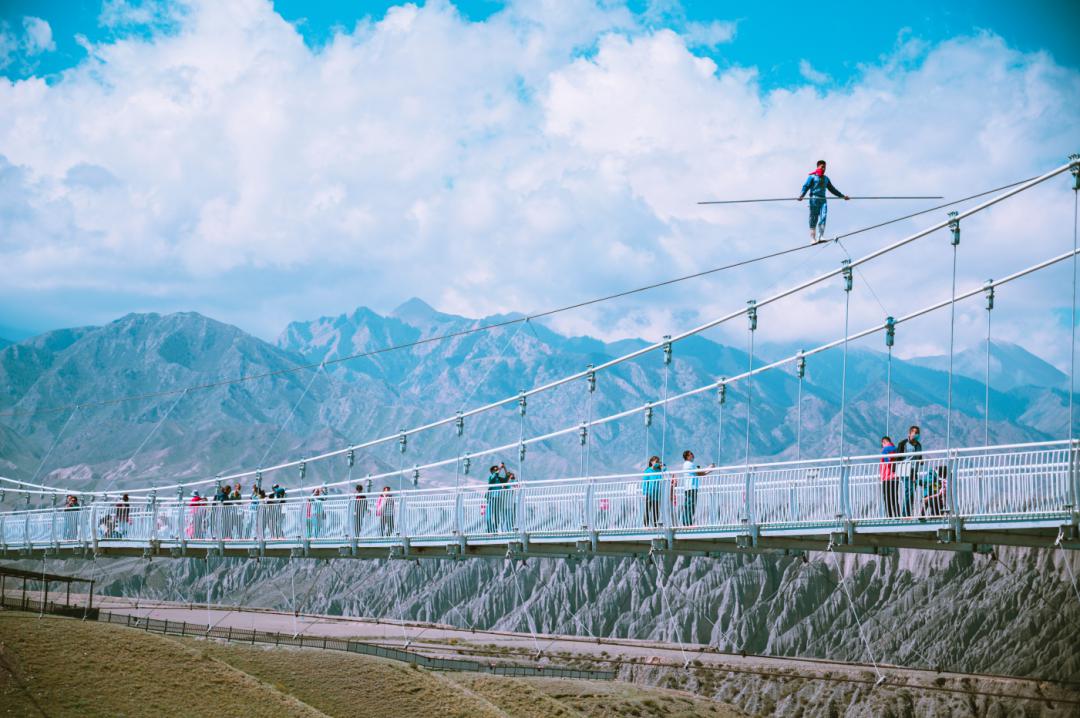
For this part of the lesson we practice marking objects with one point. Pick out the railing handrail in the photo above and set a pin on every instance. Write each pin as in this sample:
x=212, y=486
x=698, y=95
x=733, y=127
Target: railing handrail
x=577, y=483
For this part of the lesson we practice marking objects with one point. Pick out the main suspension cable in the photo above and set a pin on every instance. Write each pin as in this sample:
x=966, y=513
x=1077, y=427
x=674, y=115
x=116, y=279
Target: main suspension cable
x=515, y=320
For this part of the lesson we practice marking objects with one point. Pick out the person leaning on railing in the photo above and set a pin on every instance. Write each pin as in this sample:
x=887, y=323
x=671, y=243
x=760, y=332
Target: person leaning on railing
x=913, y=463
x=651, y=488
x=888, y=478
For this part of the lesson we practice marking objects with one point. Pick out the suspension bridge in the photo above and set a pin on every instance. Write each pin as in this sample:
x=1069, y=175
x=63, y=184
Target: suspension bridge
x=958, y=498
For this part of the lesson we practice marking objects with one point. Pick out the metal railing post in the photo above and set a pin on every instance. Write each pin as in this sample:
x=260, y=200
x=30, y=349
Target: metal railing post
x=845, y=490
x=153, y=516
x=589, y=520
x=459, y=511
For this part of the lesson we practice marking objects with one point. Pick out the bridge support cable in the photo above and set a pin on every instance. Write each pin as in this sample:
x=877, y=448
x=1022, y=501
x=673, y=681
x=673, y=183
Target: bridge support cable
x=53, y=446
x=751, y=315
x=800, y=373
x=130, y=463
x=986, y=383
x=529, y=623
x=285, y=423
x=890, y=339
x=673, y=625
x=721, y=399
x=1074, y=485
x=858, y=623
x=664, y=401
x=1068, y=564
x=845, y=497
x=951, y=472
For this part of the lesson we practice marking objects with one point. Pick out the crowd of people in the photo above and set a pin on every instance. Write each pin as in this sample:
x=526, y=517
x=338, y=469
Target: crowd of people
x=909, y=487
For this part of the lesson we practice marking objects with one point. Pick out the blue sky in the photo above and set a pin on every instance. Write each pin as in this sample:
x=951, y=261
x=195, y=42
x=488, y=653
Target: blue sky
x=774, y=37
x=265, y=162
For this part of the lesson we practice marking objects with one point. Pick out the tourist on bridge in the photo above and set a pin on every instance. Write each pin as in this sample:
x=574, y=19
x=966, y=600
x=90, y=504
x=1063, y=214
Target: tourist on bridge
x=313, y=509
x=123, y=516
x=911, y=456
x=493, y=498
x=816, y=184
x=360, y=506
x=652, y=487
x=691, y=479
x=888, y=478
x=509, y=500
x=384, y=509
x=71, y=517
x=934, y=498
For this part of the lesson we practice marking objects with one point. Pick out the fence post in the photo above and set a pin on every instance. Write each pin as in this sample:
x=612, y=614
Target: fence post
x=588, y=507
x=459, y=511
x=845, y=489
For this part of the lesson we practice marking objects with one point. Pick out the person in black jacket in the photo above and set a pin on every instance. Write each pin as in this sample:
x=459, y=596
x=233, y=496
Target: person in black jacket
x=913, y=463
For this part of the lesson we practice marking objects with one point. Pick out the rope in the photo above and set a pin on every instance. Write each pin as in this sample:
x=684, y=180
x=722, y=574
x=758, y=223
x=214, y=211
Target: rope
x=54, y=443
x=851, y=604
x=130, y=462
x=671, y=614
x=749, y=394
x=952, y=348
x=663, y=420
x=843, y=371
x=290, y=416
x=44, y=558
x=1068, y=566
x=498, y=357
x=986, y=400
x=798, y=422
x=799, y=199
x=1072, y=335
x=888, y=391
x=521, y=602
x=720, y=437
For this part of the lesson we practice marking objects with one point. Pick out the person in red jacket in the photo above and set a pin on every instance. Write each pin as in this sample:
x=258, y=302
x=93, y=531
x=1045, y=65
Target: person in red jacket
x=889, y=484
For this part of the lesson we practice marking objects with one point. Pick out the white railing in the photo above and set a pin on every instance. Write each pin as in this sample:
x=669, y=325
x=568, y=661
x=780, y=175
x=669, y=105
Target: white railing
x=1000, y=483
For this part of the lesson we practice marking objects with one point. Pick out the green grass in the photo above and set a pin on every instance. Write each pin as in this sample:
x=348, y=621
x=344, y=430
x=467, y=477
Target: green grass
x=65, y=667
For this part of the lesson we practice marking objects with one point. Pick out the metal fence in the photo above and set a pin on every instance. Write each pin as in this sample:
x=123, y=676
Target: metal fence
x=251, y=637
x=993, y=484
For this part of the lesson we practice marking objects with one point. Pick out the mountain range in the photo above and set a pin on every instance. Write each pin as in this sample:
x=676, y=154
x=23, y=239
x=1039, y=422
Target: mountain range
x=288, y=413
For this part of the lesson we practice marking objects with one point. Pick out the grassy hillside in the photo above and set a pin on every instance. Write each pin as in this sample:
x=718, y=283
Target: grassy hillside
x=64, y=667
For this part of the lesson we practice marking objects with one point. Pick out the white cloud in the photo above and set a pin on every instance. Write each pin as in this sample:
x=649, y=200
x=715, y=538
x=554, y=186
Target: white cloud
x=39, y=37
x=8, y=45
x=709, y=34
x=807, y=71
x=552, y=153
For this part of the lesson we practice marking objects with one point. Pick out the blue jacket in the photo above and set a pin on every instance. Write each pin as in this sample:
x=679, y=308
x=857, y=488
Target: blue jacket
x=650, y=483
x=816, y=186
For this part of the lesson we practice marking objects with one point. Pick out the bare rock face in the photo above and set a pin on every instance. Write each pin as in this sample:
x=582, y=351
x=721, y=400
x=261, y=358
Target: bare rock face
x=956, y=612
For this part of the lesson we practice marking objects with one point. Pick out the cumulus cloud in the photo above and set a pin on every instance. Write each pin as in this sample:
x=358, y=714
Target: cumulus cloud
x=807, y=71
x=550, y=153
x=39, y=37
x=709, y=34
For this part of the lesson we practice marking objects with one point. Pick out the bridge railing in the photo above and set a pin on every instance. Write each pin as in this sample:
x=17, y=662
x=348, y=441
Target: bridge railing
x=993, y=483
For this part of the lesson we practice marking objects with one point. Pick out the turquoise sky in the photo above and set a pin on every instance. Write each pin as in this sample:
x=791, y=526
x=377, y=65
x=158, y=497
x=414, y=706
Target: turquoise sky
x=773, y=37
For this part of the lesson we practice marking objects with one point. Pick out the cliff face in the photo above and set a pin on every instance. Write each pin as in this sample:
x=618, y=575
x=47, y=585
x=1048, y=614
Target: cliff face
x=958, y=612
